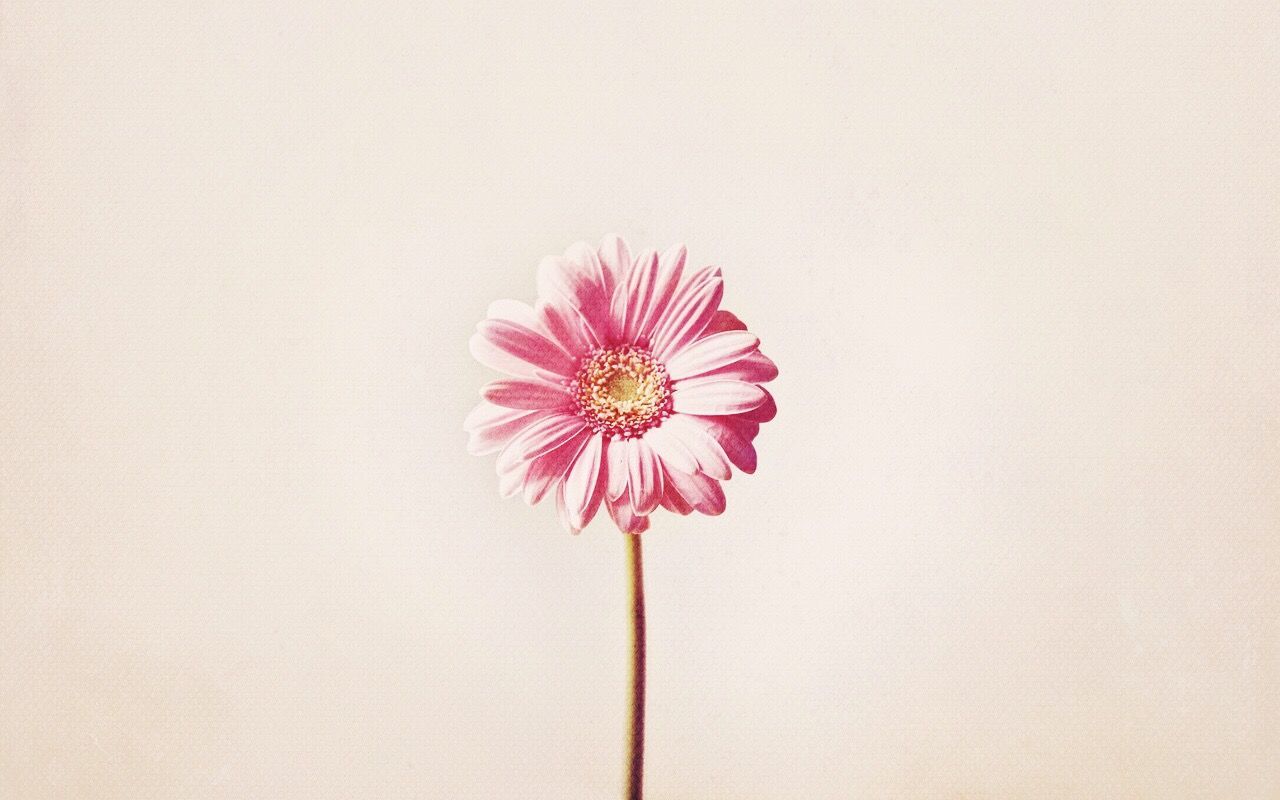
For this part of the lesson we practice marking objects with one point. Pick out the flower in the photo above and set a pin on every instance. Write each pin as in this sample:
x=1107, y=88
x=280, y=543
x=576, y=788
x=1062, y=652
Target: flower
x=629, y=387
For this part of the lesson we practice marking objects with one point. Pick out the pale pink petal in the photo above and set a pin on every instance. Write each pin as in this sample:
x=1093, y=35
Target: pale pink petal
x=705, y=448
x=715, y=397
x=625, y=517
x=616, y=462
x=699, y=491
x=515, y=311
x=547, y=469
x=711, y=353
x=511, y=482
x=522, y=344
x=644, y=477
x=724, y=321
x=615, y=258
x=485, y=415
x=763, y=412
x=583, y=486
x=689, y=319
x=562, y=510
x=669, y=449
x=527, y=394
x=489, y=432
x=543, y=435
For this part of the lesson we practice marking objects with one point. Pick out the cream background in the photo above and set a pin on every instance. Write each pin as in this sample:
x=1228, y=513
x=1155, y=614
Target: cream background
x=1014, y=533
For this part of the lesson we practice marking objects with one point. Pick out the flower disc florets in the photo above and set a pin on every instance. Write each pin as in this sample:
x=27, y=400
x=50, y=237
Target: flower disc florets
x=622, y=391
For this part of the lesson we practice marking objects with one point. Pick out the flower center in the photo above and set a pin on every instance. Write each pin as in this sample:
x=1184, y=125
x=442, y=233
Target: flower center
x=622, y=391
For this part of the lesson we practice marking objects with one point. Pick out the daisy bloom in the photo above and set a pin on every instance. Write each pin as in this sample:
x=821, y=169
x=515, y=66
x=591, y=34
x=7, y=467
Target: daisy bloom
x=628, y=387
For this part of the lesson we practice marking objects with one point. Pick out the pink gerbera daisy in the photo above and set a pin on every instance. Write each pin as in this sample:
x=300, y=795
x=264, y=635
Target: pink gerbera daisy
x=629, y=387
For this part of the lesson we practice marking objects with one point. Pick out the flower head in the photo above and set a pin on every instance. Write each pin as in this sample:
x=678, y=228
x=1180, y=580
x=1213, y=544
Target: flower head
x=629, y=387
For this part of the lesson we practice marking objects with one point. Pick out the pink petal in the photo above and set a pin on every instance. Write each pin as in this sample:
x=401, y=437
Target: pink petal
x=669, y=449
x=724, y=321
x=705, y=448
x=763, y=412
x=578, y=279
x=644, y=476
x=754, y=367
x=672, y=499
x=543, y=435
x=670, y=268
x=715, y=397
x=688, y=319
x=638, y=294
x=520, y=344
x=699, y=491
x=711, y=353
x=564, y=326
x=549, y=468
x=583, y=487
x=625, y=517
x=524, y=393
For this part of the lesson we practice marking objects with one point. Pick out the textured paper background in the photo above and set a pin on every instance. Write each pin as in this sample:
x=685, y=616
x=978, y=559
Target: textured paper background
x=1014, y=533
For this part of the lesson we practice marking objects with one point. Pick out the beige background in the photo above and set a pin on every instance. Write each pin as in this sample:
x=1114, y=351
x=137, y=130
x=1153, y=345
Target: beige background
x=1015, y=534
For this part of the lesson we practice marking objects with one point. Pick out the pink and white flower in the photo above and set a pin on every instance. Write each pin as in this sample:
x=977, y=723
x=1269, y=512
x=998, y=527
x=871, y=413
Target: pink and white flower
x=629, y=387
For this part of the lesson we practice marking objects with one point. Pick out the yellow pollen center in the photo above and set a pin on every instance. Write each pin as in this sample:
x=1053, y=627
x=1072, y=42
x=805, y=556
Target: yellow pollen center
x=622, y=391
x=623, y=387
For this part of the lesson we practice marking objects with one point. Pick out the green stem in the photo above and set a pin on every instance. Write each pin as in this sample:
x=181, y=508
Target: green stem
x=635, y=763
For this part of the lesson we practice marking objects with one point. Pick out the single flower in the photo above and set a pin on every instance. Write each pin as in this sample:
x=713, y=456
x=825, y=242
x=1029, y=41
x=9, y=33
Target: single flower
x=629, y=387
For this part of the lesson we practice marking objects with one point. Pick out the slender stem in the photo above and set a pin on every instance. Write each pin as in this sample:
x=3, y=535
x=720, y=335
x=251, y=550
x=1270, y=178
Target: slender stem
x=635, y=764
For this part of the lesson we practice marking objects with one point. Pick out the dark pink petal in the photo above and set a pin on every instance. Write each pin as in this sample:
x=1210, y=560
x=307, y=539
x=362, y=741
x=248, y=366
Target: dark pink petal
x=689, y=318
x=699, y=491
x=763, y=412
x=724, y=321
x=644, y=477
x=734, y=437
x=583, y=486
x=669, y=448
x=711, y=353
x=522, y=344
x=625, y=517
x=705, y=448
x=526, y=394
x=715, y=397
